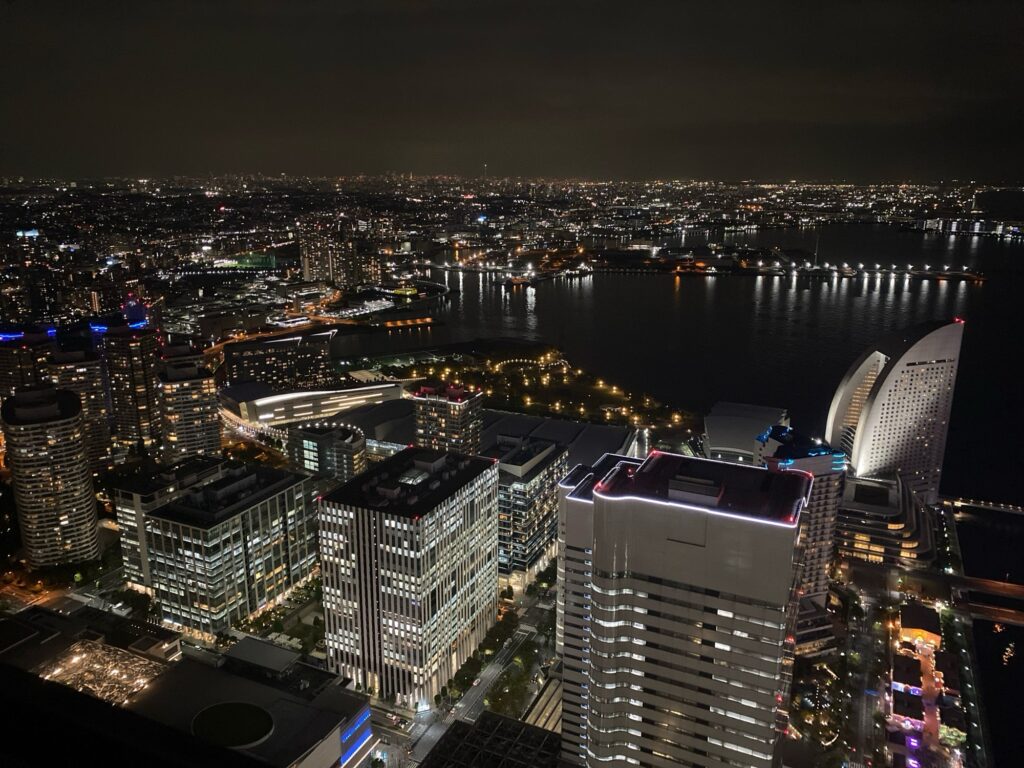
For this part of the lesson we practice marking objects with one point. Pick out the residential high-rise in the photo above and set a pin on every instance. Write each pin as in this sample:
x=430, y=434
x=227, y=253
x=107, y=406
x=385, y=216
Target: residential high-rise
x=53, y=491
x=676, y=610
x=137, y=495
x=409, y=557
x=329, y=450
x=448, y=418
x=81, y=372
x=528, y=473
x=231, y=547
x=189, y=412
x=131, y=355
x=322, y=239
x=22, y=360
x=890, y=413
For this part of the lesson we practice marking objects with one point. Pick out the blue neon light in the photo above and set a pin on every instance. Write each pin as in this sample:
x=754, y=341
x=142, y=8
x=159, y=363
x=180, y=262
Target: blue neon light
x=98, y=328
x=786, y=462
x=763, y=437
x=355, y=726
x=12, y=336
x=355, y=748
x=138, y=324
x=51, y=331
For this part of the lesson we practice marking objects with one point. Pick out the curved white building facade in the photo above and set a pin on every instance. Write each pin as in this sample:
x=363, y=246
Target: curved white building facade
x=891, y=410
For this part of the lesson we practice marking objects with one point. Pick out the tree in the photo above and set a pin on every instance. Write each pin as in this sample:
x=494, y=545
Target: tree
x=437, y=699
x=531, y=589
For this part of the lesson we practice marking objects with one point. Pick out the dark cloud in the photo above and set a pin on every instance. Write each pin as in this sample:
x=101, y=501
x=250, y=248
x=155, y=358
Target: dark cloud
x=627, y=89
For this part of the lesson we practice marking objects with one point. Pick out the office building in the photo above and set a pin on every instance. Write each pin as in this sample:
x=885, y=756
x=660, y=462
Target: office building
x=528, y=473
x=189, y=413
x=676, y=610
x=23, y=360
x=53, y=492
x=231, y=547
x=137, y=495
x=409, y=557
x=890, y=413
x=286, y=364
x=448, y=418
x=81, y=372
x=131, y=355
x=329, y=450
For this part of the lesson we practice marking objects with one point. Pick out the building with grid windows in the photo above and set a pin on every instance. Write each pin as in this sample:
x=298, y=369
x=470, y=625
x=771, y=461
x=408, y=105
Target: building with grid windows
x=189, y=413
x=137, y=495
x=329, y=450
x=229, y=548
x=409, y=557
x=53, y=491
x=528, y=473
x=677, y=604
x=890, y=413
x=448, y=418
x=131, y=355
x=81, y=372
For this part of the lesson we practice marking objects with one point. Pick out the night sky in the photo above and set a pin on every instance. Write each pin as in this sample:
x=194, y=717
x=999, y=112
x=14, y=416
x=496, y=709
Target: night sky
x=859, y=91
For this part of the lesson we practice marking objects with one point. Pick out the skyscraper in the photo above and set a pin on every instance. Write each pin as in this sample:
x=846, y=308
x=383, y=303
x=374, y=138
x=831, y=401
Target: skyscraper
x=448, y=418
x=131, y=356
x=189, y=413
x=322, y=240
x=677, y=606
x=53, y=491
x=409, y=556
x=890, y=413
x=528, y=473
x=22, y=360
x=81, y=372
x=231, y=547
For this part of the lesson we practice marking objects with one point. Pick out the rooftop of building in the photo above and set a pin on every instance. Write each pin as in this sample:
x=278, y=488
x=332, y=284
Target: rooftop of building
x=341, y=430
x=73, y=357
x=494, y=741
x=522, y=458
x=243, y=486
x=410, y=483
x=281, y=725
x=393, y=421
x=40, y=405
x=185, y=373
x=906, y=670
x=437, y=390
x=794, y=444
x=736, y=489
x=149, y=479
x=735, y=426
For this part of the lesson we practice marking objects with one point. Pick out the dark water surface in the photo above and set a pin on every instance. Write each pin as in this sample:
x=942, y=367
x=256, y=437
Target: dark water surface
x=691, y=341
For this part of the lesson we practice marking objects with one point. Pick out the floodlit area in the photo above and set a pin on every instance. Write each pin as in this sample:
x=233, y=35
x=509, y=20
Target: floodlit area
x=102, y=671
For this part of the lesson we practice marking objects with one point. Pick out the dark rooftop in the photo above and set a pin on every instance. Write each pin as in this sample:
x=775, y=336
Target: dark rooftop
x=412, y=482
x=494, y=741
x=794, y=444
x=152, y=479
x=39, y=405
x=741, y=490
x=243, y=486
x=913, y=615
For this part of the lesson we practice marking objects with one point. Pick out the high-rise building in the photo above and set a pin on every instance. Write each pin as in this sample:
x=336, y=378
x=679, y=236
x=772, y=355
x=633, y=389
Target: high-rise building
x=296, y=362
x=131, y=355
x=448, y=418
x=230, y=548
x=529, y=470
x=189, y=413
x=329, y=450
x=137, y=495
x=322, y=239
x=731, y=431
x=409, y=556
x=81, y=372
x=786, y=448
x=53, y=491
x=677, y=604
x=22, y=360
x=890, y=413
